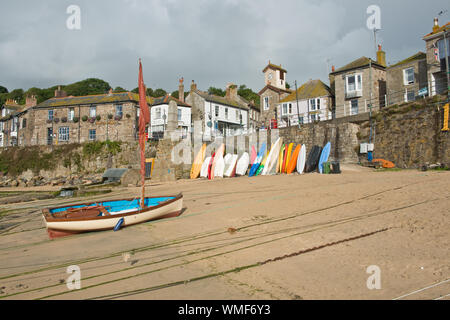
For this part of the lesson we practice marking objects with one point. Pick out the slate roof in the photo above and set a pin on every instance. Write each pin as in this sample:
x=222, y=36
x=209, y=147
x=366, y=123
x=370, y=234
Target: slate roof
x=418, y=56
x=357, y=64
x=221, y=100
x=166, y=99
x=274, y=66
x=278, y=90
x=92, y=99
x=309, y=90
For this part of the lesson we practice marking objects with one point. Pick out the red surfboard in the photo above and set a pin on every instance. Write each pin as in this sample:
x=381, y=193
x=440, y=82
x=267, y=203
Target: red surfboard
x=283, y=167
x=210, y=165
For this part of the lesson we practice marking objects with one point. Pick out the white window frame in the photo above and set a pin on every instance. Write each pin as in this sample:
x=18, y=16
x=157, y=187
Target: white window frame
x=92, y=111
x=406, y=81
x=312, y=104
x=63, y=134
x=119, y=110
x=226, y=113
x=358, y=84
x=179, y=114
x=50, y=114
x=157, y=113
x=266, y=103
x=407, y=91
x=216, y=111
x=71, y=114
x=284, y=110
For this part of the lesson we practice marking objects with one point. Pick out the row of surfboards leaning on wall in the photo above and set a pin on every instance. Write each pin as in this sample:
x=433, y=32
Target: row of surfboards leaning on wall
x=279, y=159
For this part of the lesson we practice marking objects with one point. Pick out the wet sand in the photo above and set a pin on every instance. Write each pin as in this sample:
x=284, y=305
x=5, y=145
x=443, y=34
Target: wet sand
x=273, y=237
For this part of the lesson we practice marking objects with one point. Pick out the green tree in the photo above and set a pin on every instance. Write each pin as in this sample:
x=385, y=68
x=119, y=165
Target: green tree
x=119, y=89
x=3, y=89
x=87, y=87
x=159, y=93
x=248, y=94
x=175, y=94
x=216, y=91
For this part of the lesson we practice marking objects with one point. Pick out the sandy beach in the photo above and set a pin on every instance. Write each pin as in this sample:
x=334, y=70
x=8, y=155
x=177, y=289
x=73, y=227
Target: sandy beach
x=273, y=237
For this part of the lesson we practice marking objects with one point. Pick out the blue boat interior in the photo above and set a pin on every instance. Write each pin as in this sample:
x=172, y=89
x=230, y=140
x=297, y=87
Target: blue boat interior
x=120, y=205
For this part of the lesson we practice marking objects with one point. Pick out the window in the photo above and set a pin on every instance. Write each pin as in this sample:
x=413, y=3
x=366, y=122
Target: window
x=217, y=111
x=24, y=123
x=226, y=113
x=354, y=106
x=14, y=124
x=410, y=95
x=312, y=104
x=301, y=120
x=354, y=83
x=408, y=76
x=284, y=109
x=318, y=104
x=313, y=117
x=50, y=114
x=119, y=110
x=179, y=114
x=157, y=113
x=71, y=114
x=92, y=134
x=290, y=108
x=63, y=133
x=266, y=103
x=92, y=111
x=237, y=114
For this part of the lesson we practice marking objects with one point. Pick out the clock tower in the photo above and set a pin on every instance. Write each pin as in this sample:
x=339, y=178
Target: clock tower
x=275, y=76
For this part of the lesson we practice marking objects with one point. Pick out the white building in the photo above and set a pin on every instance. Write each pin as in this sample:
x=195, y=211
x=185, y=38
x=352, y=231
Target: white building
x=159, y=112
x=221, y=116
x=311, y=102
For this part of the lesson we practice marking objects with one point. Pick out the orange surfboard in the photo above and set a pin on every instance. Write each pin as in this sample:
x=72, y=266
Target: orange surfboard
x=293, y=162
x=198, y=161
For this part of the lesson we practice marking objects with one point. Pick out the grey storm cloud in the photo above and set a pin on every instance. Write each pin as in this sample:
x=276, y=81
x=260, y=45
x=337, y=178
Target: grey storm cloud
x=213, y=42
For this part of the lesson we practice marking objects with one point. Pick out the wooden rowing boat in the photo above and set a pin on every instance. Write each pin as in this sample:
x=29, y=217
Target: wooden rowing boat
x=105, y=215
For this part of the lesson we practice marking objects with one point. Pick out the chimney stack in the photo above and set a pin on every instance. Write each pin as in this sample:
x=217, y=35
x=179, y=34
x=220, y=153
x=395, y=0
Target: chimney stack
x=30, y=101
x=381, y=56
x=193, y=86
x=181, y=90
x=436, y=25
x=60, y=93
x=231, y=92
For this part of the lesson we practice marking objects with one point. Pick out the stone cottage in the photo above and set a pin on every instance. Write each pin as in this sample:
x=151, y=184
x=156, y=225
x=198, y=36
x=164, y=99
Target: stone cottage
x=63, y=119
x=313, y=101
x=407, y=79
x=353, y=90
x=220, y=116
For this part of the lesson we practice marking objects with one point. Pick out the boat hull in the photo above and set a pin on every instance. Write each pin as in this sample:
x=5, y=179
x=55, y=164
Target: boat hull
x=69, y=225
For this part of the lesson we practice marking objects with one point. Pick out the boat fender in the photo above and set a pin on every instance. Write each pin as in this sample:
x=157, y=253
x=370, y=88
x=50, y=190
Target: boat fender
x=119, y=224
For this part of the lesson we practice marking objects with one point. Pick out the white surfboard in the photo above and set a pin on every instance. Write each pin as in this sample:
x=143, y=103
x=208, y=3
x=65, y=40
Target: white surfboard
x=204, y=170
x=242, y=164
x=301, y=160
x=220, y=167
x=231, y=164
x=272, y=157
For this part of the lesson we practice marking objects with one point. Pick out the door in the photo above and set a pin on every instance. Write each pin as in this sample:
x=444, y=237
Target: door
x=49, y=136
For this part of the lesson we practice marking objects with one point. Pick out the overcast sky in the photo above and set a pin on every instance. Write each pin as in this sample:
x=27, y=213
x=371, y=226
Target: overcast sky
x=213, y=42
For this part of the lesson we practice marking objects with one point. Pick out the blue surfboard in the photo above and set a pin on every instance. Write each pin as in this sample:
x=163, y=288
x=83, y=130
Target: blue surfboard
x=324, y=156
x=258, y=160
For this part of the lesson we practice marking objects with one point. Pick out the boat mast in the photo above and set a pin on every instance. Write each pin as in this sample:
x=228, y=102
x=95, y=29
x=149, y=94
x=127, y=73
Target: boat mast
x=144, y=119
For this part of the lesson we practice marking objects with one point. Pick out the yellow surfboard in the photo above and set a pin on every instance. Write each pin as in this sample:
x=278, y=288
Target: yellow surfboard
x=198, y=161
x=288, y=158
x=280, y=158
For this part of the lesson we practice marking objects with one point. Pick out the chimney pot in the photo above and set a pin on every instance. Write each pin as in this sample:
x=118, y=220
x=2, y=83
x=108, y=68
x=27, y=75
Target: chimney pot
x=333, y=68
